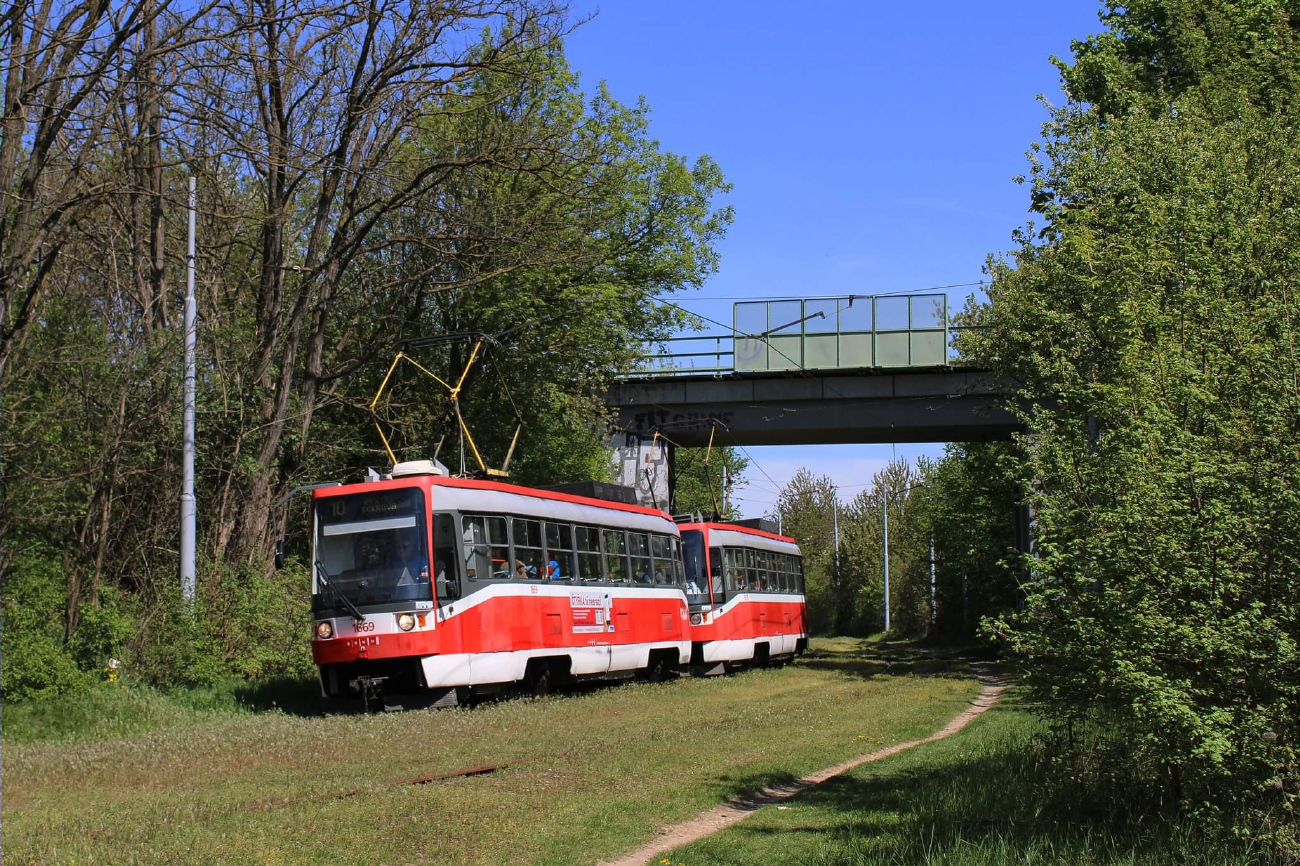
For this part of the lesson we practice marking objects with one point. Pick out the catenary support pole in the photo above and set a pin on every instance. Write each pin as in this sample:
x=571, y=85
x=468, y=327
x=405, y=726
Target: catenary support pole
x=933, y=603
x=835, y=518
x=188, y=505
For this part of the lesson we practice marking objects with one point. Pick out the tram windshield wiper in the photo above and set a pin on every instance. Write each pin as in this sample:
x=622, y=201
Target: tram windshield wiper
x=323, y=576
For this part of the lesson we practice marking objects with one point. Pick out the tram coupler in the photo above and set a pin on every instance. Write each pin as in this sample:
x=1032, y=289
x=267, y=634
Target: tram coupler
x=369, y=688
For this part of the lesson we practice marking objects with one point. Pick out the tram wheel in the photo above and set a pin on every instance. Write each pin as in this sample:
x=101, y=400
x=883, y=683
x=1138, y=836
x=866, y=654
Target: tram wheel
x=655, y=671
x=539, y=684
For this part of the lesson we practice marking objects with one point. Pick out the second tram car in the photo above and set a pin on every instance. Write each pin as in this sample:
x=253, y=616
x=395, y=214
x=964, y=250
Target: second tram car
x=455, y=586
x=746, y=595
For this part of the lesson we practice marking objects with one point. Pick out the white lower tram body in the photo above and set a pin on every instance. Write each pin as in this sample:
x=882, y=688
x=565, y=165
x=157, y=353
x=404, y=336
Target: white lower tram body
x=475, y=669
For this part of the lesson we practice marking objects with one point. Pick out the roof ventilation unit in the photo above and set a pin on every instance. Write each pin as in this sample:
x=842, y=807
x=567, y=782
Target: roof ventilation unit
x=419, y=467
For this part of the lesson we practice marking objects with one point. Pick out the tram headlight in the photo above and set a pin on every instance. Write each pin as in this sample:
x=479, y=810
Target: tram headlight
x=405, y=621
x=325, y=630
x=697, y=619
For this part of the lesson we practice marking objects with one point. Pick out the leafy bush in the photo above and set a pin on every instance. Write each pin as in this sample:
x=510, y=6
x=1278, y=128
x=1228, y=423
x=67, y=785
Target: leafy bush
x=1151, y=328
x=36, y=661
x=241, y=625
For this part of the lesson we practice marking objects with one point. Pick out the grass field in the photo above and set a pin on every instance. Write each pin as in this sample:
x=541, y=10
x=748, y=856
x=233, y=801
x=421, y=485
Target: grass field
x=975, y=799
x=125, y=777
x=128, y=776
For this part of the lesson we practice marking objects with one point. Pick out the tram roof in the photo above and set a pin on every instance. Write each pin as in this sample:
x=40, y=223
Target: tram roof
x=486, y=484
x=731, y=527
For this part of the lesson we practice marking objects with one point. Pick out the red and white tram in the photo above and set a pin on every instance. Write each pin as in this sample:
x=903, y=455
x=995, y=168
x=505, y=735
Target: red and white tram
x=745, y=588
x=461, y=586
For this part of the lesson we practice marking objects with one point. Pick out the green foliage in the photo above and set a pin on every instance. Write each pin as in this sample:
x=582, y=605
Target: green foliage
x=1155, y=51
x=37, y=663
x=700, y=486
x=805, y=507
x=552, y=222
x=1151, y=324
x=247, y=626
x=964, y=503
x=101, y=630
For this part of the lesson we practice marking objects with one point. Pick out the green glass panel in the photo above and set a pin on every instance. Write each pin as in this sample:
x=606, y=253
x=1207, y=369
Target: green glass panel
x=821, y=351
x=927, y=349
x=750, y=354
x=855, y=350
x=892, y=349
x=784, y=353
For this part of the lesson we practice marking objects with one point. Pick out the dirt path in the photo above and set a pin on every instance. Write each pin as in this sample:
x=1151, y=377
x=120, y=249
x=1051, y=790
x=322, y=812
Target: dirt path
x=734, y=811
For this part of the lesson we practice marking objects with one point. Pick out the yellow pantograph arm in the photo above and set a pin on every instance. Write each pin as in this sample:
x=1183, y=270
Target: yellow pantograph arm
x=388, y=448
x=453, y=393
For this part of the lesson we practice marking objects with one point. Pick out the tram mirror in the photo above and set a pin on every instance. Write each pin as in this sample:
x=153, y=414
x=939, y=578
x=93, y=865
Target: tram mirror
x=279, y=553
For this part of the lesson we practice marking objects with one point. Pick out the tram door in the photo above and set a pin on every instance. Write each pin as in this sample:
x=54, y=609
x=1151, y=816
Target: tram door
x=715, y=575
x=445, y=559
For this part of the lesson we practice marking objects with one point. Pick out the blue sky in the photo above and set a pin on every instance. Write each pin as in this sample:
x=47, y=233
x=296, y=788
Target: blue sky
x=872, y=147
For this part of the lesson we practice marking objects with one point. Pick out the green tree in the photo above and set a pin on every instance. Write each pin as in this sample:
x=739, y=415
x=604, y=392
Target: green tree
x=806, y=510
x=700, y=476
x=1151, y=324
x=426, y=185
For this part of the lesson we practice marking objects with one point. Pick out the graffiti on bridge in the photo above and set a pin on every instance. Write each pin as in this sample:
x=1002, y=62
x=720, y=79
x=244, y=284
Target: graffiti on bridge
x=666, y=422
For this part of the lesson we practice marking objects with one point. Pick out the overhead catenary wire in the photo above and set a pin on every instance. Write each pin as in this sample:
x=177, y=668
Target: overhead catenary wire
x=900, y=292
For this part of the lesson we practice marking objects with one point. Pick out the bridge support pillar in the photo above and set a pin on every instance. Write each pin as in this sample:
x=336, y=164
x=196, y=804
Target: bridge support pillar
x=644, y=465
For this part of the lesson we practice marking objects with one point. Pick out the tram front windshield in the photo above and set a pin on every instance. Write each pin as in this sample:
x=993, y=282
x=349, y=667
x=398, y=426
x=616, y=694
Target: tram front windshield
x=373, y=548
x=697, y=584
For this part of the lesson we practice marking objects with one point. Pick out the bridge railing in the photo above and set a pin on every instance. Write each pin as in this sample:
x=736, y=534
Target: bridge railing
x=850, y=332
x=689, y=356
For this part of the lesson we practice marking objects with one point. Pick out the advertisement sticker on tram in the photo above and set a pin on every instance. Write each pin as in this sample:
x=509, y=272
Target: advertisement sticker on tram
x=590, y=612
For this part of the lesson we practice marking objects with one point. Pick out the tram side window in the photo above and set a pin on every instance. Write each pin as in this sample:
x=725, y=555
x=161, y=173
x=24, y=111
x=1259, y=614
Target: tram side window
x=487, y=548
x=751, y=569
x=798, y=568
x=638, y=545
x=763, y=569
x=530, y=560
x=679, y=574
x=446, y=580
x=735, y=559
x=783, y=572
x=559, y=551
x=614, y=542
x=663, y=565
x=588, y=541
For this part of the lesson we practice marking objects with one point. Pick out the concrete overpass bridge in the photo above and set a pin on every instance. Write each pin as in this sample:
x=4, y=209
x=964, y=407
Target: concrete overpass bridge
x=825, y=407
x=853, y=369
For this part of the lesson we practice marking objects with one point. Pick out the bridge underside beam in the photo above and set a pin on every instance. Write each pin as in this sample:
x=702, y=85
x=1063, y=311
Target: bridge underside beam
x=939, y=406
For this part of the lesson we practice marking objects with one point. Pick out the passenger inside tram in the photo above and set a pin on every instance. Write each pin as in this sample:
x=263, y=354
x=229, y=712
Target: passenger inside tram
x=413, y=565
